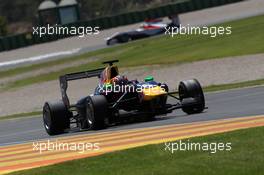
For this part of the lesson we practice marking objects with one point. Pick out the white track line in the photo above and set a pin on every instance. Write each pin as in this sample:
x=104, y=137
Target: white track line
x=38, y=58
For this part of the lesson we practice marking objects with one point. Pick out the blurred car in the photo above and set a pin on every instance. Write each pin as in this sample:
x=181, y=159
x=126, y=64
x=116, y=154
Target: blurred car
x=149, y=28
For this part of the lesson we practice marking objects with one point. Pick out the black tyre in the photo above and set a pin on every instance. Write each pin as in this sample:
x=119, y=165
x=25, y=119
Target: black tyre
x=83, y=120
x=112, y=42
x=125, y=38
x=192, y=89
x=96, y=111
x=56, y=118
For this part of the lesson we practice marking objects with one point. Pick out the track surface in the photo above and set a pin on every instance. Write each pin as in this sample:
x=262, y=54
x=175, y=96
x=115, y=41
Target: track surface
x=228, y=104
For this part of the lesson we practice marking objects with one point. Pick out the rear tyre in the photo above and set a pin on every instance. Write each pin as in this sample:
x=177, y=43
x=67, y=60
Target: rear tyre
x=96, y=111
x=192, y=89
x=56, y=118
x=125, y=38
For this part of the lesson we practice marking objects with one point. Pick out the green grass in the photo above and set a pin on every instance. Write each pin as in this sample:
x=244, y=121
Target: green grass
x=234, y=85
x=245, y=157
x=246, y=38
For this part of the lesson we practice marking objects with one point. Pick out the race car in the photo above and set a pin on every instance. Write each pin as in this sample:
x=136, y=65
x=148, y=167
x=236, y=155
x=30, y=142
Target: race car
x=116, y=98
x=149, y=28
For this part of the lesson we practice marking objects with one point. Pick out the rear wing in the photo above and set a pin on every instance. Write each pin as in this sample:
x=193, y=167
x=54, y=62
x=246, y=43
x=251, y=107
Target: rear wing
x=75, y=76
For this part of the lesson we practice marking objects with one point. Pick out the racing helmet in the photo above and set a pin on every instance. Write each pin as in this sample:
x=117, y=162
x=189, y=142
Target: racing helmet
x=113, y=72
x=109, y=73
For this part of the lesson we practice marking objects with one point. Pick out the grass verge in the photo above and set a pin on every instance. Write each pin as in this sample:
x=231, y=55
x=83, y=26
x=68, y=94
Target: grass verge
x=21, y=115
x=246, y=38
x=245, y=157
x=234, y=85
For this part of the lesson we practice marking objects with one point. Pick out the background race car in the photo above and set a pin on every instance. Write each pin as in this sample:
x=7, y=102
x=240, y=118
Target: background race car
x=150, y=28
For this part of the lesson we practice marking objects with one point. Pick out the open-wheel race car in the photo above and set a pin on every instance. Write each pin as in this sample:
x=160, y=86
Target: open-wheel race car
x=149, y=28
x=116, y=98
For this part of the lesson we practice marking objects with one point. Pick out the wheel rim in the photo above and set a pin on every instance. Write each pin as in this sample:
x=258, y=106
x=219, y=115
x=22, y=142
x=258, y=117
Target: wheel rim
x=47, y=117
x=89, y=114
x=181, y=92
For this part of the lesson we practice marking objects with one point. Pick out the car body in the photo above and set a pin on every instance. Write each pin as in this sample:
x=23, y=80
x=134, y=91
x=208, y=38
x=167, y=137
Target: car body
x=106, y=106
x=148, y=29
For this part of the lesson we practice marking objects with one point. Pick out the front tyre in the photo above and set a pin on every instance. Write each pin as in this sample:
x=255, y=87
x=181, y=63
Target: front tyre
x=111, y=42
x=192, y=89
x=96, y=111
x=56, y=118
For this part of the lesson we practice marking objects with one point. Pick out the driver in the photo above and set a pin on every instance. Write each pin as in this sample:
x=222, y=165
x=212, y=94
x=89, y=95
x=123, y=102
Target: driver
x=109, y=77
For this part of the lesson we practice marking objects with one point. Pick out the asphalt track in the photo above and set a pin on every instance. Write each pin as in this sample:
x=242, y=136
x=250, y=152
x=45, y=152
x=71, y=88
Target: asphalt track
x=221, y=105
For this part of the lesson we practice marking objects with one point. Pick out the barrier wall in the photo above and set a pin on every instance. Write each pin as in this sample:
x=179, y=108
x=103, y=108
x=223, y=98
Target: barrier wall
x=26, y=39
